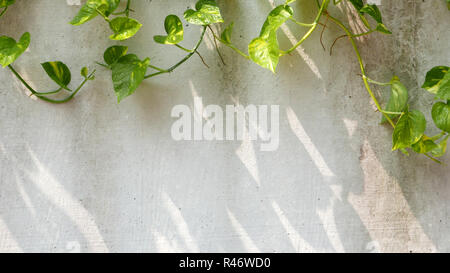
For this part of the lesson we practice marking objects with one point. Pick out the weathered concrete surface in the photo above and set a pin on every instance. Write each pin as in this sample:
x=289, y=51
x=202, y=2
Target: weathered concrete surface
x=92, y=175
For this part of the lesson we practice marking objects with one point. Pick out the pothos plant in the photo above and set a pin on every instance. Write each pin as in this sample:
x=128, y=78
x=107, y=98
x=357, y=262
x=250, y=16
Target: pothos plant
x=129, y=71
x=10, y=50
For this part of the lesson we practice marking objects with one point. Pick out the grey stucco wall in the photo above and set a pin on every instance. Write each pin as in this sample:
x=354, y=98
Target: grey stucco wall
x=93, y=175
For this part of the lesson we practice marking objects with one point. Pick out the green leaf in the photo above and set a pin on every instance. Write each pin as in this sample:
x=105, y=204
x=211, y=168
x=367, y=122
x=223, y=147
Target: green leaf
x=58, y=72
x=358, y=4
x=424, y=145
x=207, y=12
x=127, y=74
x=441, y=148
x=114, y=53
x=84, y=72
x=434, y=77
x=383, y=29
x=174, y=30
x=10, y=50
x=276, y=18
x=5, y=3
x=441, y=116
x=265, y=50
x=124, y=28
x=226, y=34
x=444, y=88
x=398, y=99
x=90, y=10
x=409, y=129
x=375, y=13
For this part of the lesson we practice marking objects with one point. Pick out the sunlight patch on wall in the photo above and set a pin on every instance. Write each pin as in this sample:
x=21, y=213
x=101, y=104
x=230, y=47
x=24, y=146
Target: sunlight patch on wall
x=248, y=243
x=311, y=149
x=43, y=179
x=384, y=210
x=180, y=223
x=299, y=244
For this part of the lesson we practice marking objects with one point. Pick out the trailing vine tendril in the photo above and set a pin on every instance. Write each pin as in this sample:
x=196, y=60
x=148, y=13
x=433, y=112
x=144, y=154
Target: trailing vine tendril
x=128, y=71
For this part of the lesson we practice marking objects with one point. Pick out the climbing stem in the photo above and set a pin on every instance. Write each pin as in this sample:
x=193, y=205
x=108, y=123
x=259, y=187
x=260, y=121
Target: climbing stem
x=363, y=70
x=322, y=10
x=103, y=15
x=300, y=23
x=233, y=47
x=193, y=51
x=378, y=83
x=364, y=33
x=156, y=68
x=49, y=93
x=42, y=96
x=126, y=11
x=183, y=48
x=391, y=113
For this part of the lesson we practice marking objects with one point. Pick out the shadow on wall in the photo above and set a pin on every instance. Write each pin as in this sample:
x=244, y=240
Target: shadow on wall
x=332, y=186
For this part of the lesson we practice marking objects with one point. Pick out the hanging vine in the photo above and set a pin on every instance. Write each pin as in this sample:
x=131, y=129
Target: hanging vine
x=129, y=71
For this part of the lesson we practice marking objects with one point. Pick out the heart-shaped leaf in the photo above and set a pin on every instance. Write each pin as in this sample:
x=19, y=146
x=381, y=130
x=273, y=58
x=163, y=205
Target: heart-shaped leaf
x=444, y=88
x=409, y=129
x=58, y=72
x=441, y=116
x=434, y=78
x=398, y=99
x=207, y=12
x=114, y=53
x=92, y=8
x=174, y=30
x=226, y=34
x=276, y=18
x=127, y=74
x=10, y=50
x=265, y=52
x=265, y=49
x=124, y=28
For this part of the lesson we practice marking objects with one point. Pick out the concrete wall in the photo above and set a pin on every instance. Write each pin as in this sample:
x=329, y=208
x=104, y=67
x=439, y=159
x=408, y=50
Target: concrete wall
x=93, y=175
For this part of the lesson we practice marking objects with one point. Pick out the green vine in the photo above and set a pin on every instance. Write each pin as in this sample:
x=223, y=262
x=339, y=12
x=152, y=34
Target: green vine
x=129, y=71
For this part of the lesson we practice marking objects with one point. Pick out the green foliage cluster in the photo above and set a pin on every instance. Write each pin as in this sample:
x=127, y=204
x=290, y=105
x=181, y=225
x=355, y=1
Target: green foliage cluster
x=128, y=71
x=10, y=50
x=122, y=26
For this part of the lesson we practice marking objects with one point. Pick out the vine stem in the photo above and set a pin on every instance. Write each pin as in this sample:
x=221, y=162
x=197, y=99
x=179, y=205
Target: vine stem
x=230, y=46
x=40, y=95
x=300, y=23
x=322, y=9
x=361, y=64
x=183, y=48
x=216, y=46
x=162, y=71
x=127, y=10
